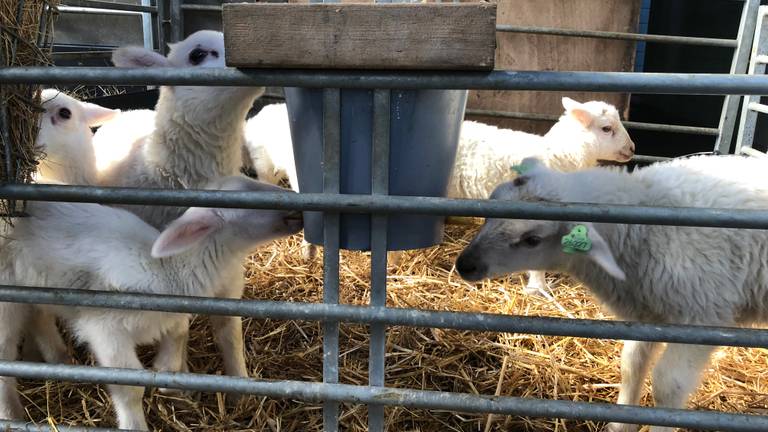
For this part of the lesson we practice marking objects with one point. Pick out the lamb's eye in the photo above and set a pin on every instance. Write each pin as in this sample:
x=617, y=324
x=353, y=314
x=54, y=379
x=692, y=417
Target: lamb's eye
x=530, y=241
x=607, y=129
x=197, y=56
x=65, y=113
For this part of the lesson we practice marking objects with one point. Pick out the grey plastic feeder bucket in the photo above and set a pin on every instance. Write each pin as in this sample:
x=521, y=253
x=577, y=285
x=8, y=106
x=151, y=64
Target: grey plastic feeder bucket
x=424, y=135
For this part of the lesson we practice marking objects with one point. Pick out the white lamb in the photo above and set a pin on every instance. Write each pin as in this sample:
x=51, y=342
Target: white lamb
x=65, y=137
x=268, y=141
x=95, y=247
x=64, y=141
x=585, y=134
x=115, y=139
x=655, y=274
x=197, y=137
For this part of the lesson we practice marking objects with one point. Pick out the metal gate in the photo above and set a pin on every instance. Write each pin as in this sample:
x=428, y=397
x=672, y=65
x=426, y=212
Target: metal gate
x=379, y=205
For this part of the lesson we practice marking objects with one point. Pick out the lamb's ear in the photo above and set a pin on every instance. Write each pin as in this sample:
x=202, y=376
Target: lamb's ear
x=576, y=110
x=96, y=115
x=138, y=57
x=570, y=104
x=186, y=231
x=583, y=238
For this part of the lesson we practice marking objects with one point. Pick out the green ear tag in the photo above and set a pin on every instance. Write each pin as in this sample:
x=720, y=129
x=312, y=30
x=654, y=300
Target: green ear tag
x=520, y=169
x=576, y=240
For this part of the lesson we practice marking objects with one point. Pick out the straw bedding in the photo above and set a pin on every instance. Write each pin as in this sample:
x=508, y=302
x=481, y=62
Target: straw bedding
x=431, y=359
x=24, y=27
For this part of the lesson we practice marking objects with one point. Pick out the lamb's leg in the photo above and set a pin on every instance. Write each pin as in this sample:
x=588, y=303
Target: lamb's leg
x=172, y=353
x=113, y=349
x=677, y=374
x=537, y=284
x=228, y=331
x=636, y=357
x=48, y=339
x=12, y=320
x=308, y=251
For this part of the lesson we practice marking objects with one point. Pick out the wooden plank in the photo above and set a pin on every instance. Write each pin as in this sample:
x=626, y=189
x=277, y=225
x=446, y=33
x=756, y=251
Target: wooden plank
x=542, y=52
x=361, y=36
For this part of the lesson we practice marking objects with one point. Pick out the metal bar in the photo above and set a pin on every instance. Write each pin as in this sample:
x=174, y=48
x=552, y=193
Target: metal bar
x=110, y=5
x=651, y=38
x=282, y=310
x=748, y=120
x=379, y=187
x=666, y=83
x=649, y=159
x=752, y=152
x=420, y=399
x=146, y=27
x=177, y=21
x=94, y=11
x=10, y=425
x=162, y=28
x=5, y=132
x=331, y=185
x=739, y=65
x=348, y=203
x=757, y=107
x=206, y=8
x=77, y=55
x=696, y=130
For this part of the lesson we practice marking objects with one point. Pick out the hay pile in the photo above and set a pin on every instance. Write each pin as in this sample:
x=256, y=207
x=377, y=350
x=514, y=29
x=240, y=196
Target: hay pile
x=25, y=29
x=448, y=360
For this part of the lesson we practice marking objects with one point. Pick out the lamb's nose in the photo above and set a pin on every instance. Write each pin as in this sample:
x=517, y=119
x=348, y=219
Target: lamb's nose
x=465, y=266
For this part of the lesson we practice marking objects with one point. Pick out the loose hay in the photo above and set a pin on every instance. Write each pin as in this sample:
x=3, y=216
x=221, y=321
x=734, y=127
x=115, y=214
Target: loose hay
x=430, y=359
x=25, y=27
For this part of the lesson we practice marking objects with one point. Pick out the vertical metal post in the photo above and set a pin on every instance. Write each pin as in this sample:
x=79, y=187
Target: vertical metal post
x=177, y=21
x=738, y=66
x=379, y=186
x=331, y=163
x=162, y=26
x=146, y=26
x=748, y=119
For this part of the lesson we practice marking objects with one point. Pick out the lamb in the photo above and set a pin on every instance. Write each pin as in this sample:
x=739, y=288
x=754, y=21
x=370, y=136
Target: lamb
x=197, y=137
x=65, y=137
x=197, y=131
x=115, y=139
x=198, y=254
x=268, y=142
x=584, y=134
x=654, y=274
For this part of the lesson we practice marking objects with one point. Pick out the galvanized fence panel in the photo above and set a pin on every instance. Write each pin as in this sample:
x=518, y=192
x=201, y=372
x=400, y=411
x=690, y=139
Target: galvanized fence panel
x=376, y=395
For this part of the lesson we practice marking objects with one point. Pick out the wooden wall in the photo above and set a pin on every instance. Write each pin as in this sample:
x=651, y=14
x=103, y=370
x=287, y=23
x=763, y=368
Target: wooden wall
x=542, y=52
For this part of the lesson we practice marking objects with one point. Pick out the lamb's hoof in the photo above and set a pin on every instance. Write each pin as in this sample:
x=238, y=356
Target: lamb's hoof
x=621, y=427
x=308, y=252
x=536, y=290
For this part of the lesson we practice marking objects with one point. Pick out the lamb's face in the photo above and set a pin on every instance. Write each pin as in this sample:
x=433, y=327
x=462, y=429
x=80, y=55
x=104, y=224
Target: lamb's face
x=65, y=136
x=507, y=245
x=258, y=226
x=613, y=141
x=235, y=229
x=204, y=48
x=609, y=139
